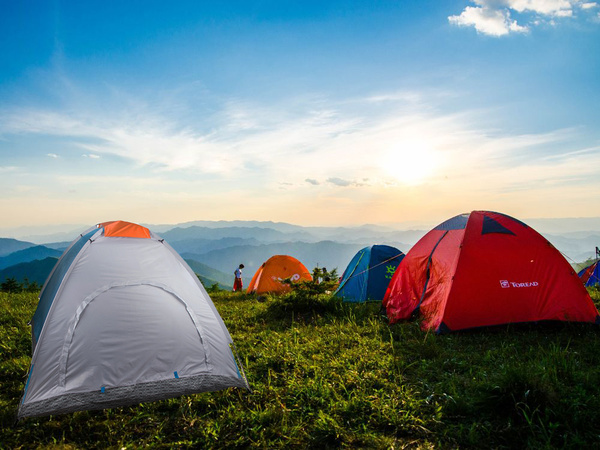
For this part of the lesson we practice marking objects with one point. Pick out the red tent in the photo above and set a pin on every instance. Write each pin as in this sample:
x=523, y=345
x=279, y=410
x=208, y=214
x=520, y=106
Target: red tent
x=482, y=269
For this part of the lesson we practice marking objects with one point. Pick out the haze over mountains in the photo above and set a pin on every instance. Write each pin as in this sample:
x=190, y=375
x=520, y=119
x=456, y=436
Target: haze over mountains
x=215, y=248
x=35, y=252
x=8, y=246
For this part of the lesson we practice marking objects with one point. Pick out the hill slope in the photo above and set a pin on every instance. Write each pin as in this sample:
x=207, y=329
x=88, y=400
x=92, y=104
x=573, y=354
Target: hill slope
x=37, y=271
x=200, y=246
x=324, y=254
x=261, y=234
x=36, y=252
x=8, y=246
x=210, y=276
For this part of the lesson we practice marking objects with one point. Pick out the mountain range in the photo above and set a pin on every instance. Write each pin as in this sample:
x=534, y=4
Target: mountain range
x=8, y=246
x=215, y=248
x=36, y=252
x=36, y=270
x=320, y=254
x=208, y=275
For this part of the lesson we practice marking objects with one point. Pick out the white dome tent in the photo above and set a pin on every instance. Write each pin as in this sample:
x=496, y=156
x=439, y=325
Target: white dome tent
x=122, y=319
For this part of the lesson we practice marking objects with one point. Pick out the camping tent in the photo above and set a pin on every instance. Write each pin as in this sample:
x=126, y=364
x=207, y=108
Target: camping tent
x=268, y=277
x=369, y=273
x=485, y=268
x=123, y=319
x=591, y=274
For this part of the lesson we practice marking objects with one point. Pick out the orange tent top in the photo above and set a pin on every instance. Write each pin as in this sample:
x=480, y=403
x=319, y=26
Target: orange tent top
x=119, y=228
x=277, y=268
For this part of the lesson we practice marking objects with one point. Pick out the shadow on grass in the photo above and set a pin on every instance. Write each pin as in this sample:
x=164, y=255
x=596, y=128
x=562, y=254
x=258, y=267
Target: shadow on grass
x=283, y=312
x=524, y=385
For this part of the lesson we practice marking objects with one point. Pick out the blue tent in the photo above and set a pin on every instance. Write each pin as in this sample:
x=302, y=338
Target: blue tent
x=591, y=274
x=367, y=276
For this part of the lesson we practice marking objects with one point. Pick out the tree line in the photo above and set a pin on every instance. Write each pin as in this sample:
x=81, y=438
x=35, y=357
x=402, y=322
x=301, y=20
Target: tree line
x=13, y=285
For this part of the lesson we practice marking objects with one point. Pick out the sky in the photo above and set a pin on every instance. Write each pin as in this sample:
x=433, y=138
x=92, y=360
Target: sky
x=308, y=112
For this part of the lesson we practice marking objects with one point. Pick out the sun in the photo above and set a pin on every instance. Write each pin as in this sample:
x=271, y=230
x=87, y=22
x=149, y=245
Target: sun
x=410, y=162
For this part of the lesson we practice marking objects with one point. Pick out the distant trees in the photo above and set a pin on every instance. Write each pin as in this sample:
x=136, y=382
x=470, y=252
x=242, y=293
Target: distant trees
x=12, y=285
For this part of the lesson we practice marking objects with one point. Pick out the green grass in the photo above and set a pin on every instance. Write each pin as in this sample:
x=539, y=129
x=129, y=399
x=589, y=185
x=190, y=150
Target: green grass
x=342, y=378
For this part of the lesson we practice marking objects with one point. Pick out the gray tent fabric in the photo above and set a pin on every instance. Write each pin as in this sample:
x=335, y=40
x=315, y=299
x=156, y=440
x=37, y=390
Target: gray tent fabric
x=127, y=322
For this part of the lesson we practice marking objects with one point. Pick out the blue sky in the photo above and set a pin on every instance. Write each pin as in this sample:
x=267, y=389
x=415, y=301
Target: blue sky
x=317, y=113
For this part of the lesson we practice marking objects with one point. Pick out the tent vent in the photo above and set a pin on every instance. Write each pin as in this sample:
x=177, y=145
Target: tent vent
x=492, y=226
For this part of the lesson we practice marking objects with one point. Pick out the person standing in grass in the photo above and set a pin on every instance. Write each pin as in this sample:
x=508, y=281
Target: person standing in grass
x=238, y=284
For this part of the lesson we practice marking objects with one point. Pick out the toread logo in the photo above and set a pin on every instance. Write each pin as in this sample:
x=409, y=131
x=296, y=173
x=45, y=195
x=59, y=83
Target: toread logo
x=525, y=284
x=293, y=278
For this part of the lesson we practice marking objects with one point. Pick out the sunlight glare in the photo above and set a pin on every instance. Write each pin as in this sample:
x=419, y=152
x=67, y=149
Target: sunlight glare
x=410, y=162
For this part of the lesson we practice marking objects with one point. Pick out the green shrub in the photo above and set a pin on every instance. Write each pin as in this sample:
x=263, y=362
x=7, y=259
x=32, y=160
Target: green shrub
x=307, y=298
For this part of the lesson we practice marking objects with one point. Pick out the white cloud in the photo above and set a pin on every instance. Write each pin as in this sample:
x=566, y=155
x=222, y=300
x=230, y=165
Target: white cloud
x=7, y=169
x=250, y=136
x=407, y=96
x=592, y=151
x=315, y=151
x=340, y=182
x=300, y=142
x=116, y=180
x=52, y=155
x=488, y=21
x=558, y=8
x=493, y=17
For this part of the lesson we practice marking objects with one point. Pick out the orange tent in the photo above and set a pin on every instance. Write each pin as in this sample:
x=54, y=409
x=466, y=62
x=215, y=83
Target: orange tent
x=279, y=267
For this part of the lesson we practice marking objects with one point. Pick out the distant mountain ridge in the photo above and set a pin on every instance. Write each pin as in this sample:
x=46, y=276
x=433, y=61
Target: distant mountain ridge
x=210, y=276
x=52, y=233
x=207, y=245
x=575, y=249
x=323, y=254
x=222, y=245
x=260, y=234
x=9, y=245
x=36, y=252
x=37, y=271
x=62, y=246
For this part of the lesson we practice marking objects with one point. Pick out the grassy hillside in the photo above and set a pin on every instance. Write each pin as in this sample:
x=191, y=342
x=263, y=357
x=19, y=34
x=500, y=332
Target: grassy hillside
x=210, y=276
x=343, y=378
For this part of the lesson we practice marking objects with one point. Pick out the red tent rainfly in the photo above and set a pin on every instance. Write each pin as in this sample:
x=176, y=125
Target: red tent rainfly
x=482, y=269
